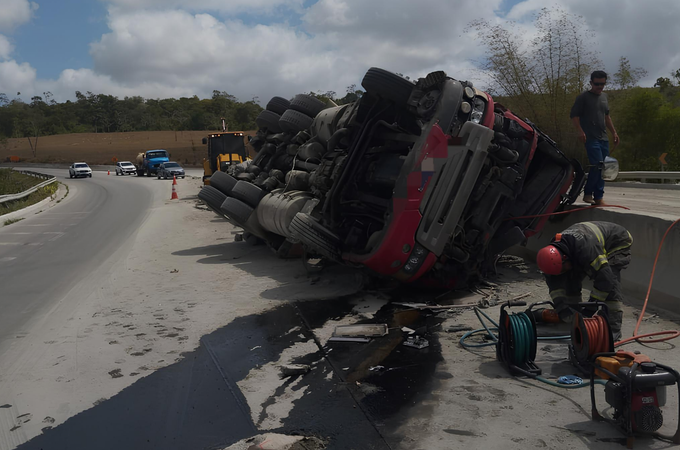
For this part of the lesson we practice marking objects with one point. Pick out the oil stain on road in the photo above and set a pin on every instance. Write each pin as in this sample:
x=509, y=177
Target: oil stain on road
x=197, y=403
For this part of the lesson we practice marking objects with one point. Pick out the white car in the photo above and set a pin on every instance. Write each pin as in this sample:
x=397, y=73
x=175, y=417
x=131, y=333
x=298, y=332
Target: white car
x=125, y=168
x=79, y=169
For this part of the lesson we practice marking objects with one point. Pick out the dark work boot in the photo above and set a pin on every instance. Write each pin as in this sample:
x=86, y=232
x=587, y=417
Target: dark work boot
x=615, y=321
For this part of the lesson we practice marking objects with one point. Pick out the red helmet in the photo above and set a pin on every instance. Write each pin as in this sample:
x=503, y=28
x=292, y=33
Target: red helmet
x=549, y=260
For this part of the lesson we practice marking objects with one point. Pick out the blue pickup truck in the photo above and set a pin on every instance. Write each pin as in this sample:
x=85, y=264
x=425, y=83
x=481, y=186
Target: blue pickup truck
x=148, y=162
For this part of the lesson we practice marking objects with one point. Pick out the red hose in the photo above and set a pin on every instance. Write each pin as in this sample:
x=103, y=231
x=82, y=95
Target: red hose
x=671, y=334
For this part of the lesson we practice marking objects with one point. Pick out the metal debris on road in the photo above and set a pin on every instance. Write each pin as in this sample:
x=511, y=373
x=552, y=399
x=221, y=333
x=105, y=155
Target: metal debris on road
x=514, y=262
x=416, y=342
x=407, y=330
x=365, y=330
x=376, y=368
x=432, y=307
x=289, y=370
x=362, y=340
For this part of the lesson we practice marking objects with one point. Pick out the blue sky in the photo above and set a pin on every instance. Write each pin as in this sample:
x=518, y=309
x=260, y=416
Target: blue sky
x=59, y=35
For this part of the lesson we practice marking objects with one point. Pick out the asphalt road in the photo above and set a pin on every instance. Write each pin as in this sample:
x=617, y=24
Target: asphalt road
x=44, y=256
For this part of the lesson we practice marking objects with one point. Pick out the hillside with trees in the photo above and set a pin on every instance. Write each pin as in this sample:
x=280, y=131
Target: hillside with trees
x=102, y=113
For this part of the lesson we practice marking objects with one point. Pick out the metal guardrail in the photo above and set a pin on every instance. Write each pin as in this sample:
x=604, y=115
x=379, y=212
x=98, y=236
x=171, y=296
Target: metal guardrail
x=12, y=197
x=648, y=175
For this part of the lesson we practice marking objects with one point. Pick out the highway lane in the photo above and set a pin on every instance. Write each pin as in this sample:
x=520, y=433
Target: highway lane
x=44, y=256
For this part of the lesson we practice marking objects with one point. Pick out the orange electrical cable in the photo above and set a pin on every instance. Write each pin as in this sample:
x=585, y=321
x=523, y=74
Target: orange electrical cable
x=565, y=212
x=670, y=334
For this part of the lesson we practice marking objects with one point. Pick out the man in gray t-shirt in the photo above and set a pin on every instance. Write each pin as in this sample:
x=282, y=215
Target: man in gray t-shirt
x=590, y=116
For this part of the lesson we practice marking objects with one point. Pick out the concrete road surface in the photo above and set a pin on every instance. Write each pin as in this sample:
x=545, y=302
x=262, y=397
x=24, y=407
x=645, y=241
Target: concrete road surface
x=131, y=321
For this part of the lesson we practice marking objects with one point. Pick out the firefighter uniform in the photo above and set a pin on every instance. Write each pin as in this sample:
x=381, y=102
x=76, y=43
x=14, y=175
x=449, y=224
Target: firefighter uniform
x=599, y=250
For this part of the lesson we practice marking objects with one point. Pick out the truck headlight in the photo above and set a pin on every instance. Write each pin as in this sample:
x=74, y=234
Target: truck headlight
x=415, y=260
x=478, y=110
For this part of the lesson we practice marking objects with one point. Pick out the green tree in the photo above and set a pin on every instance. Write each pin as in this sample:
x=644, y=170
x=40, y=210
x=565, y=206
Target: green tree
x=539, y=78
x=627, y=77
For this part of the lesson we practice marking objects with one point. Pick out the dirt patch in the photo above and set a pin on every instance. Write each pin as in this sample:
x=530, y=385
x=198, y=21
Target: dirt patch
x=99, y=148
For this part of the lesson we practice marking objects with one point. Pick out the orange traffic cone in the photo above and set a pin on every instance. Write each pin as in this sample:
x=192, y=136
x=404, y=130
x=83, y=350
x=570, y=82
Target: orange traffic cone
x=174, y=180
x=174, y=193
x=109, y=172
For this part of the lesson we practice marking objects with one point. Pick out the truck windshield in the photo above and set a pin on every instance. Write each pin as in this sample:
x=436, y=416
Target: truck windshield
x=158, y=154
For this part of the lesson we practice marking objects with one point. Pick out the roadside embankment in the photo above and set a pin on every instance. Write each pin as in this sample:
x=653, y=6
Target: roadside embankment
x=20, y=190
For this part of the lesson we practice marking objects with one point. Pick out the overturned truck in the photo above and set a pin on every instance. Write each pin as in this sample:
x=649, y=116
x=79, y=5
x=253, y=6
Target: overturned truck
x=424, y=181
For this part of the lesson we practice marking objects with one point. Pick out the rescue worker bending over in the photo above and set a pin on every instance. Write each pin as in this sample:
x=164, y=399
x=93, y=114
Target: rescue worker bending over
x=600, y=250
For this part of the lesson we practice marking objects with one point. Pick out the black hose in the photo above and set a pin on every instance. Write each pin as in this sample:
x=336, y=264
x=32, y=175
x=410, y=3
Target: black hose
x=333, y=140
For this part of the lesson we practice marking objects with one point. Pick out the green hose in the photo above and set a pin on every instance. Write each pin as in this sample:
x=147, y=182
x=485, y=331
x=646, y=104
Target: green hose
x=494, y=337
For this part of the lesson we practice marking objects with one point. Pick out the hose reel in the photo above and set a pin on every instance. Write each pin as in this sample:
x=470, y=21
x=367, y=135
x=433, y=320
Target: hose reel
x=589, y=335
x=517, y=341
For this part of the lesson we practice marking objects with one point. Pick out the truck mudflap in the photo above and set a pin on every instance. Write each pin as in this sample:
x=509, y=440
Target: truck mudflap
x=452, y=187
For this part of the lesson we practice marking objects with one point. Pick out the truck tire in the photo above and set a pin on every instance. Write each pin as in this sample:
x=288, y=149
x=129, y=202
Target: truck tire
x=313, y=235
x=387, y=85
x=148, y=172
x=245, y=176
x=307, y=105
x=278, y=105
x=223, y=182
x=269, y=120
x=295, y=121
x=236, y=210
x=212, y=198
x=247, y=193
x=140, y=172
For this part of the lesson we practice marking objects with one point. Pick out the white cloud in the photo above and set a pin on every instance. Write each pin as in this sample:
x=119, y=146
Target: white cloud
x=171, y=48
x=15, y=12
x=6, y=47
x=16, y=77
x=338, y=41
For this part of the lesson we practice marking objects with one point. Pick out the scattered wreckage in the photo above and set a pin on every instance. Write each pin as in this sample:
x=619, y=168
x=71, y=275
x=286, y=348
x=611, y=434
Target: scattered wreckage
x=424, y=181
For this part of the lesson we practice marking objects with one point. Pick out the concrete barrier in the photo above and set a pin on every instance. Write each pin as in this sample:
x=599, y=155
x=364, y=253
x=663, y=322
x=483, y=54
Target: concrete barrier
x=647, y=232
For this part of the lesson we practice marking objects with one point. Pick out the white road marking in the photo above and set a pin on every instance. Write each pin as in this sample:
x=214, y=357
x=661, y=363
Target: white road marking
x=19, y=232
x=56, y=237
x=11, y=243
x=7, y=259
x=40, y=225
